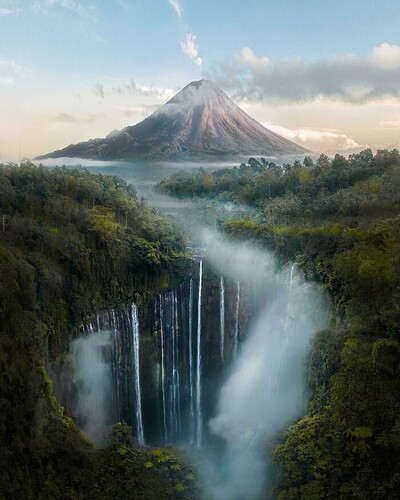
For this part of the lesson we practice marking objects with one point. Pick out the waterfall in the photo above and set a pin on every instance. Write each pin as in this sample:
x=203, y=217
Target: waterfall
x=265, y=390
x=175, y=363
x=190, y=354
x=199, y=418
x=237, y=309
x=163, y=391
x=136, y=365
x=222, y=318
x=162, y=349
x=116, y=359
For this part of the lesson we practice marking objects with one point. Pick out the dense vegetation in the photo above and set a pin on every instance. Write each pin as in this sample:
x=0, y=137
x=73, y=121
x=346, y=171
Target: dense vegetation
x=340, y=220
x=72, y=243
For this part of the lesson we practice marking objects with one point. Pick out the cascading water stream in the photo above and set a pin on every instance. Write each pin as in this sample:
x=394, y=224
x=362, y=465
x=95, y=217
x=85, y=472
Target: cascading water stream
x=190, y=354
x=222, y=318
x=199, y=418
x=237, y=310
x=136, y=364
x=162, y=349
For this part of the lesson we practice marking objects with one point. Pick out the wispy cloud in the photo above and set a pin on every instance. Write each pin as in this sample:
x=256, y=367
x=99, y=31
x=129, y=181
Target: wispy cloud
x=189, y=46
x=175, y=4
x=137, y=111
x=390, y=125
x=73, y=6
x=133, y=87
x=98, y=89
x=68, y=118
x=347, y=78
x=123, y=3
x=191, y=49
x=9, y=70
x=10, y=11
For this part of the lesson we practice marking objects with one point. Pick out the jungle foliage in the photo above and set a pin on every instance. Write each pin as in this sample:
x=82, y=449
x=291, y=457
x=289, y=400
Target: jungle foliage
x=71, y=244
x=339, y=219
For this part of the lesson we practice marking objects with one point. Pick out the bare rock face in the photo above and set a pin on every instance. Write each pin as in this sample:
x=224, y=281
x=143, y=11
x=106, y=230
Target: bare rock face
x=200, y=122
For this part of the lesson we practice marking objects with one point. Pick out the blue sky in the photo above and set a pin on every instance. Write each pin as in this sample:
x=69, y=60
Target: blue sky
x=313, y=71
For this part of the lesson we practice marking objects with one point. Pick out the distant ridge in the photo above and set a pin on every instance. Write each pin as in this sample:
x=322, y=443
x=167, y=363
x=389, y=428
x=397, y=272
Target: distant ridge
x=199, y=122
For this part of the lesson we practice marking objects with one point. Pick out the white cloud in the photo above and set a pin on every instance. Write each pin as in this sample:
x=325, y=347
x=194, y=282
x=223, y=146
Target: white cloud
x=386, y=56
x=191, y=49
x=177, y=7
x=318, y=140
x=346, y=78
x=248, y=58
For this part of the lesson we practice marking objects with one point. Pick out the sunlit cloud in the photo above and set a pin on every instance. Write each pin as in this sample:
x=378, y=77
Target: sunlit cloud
x=386, y=56
x=249, y=58
x=316, y=139
x=347, y=78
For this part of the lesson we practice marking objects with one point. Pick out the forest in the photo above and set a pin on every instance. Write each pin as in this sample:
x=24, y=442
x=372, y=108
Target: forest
x=71, y=244
x=339, y=220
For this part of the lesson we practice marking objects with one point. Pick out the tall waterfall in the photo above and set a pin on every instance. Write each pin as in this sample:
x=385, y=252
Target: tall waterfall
x=166, y=376
x=105, y=362
x=162, y=349
x=199, y=418
x=163, y=385
x=190, y=354
x=136, y=364
x=237, y=309
x=222, y=318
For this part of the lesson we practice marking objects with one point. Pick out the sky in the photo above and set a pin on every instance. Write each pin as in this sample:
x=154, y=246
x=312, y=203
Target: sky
x=324, y=74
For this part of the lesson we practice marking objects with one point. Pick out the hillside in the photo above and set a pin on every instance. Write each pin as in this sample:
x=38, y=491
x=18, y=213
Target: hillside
x=71, y=244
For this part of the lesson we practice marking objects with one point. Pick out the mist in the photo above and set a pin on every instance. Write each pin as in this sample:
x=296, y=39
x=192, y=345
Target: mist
x=93, y=379
x=265, y=390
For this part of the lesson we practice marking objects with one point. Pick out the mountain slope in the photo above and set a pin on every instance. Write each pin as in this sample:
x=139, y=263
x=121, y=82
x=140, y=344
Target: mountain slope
x=199, y=122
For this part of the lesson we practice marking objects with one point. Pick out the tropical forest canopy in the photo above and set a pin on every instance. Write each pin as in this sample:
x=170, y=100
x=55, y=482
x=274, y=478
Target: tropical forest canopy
x=340, y=220
x=71, y=244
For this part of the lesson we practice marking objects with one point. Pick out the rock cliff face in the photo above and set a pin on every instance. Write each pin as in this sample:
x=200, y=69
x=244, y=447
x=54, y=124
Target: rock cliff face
x=200, y=122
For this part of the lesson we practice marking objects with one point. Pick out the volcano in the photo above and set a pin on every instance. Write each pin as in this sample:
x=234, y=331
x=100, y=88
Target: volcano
x=200, y=122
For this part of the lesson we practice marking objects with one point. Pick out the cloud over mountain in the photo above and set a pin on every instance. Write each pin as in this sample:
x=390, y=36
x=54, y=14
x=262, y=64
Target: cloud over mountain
x=348, y=78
